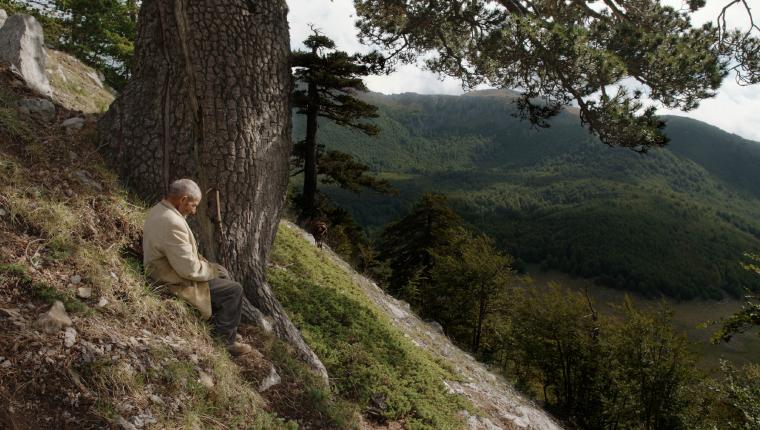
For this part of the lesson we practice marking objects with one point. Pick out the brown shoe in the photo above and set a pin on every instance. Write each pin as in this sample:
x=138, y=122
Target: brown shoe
x=238, y=348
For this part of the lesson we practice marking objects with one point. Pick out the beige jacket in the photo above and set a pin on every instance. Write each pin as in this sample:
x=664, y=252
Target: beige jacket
x=171, y=258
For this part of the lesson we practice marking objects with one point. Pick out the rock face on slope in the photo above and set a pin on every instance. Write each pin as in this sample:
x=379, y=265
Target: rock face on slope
x=502, y=407
x=52, y=74
x=22, y=46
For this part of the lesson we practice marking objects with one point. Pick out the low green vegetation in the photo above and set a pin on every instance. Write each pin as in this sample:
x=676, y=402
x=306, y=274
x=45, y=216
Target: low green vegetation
x=369, y=361
x=19, y=274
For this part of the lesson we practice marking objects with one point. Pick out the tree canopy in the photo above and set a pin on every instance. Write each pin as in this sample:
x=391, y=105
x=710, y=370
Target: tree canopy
x=605, y=56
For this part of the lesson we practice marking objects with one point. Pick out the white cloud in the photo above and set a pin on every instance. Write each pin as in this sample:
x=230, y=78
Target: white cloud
x=735, y=108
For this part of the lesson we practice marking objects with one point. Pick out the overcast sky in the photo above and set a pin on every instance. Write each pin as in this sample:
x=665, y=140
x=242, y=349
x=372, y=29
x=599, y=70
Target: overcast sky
x=735, y=109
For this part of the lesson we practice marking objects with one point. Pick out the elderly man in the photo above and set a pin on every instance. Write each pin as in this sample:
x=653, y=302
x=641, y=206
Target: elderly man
x=171, y=258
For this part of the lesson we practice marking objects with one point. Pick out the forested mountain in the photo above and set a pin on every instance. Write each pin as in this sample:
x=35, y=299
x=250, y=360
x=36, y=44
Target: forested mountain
x=673, y=221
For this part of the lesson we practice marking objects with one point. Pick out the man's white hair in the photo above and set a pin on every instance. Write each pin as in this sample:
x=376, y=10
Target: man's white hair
x=184, y=187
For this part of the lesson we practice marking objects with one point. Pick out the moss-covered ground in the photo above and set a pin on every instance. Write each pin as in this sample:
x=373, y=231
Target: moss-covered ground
x=369, y=360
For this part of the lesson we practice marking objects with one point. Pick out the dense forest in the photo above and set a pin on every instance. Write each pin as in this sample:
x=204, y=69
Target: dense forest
x=674, y=221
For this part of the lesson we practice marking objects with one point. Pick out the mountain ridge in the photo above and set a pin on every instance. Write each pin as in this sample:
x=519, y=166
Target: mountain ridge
x=557, y=196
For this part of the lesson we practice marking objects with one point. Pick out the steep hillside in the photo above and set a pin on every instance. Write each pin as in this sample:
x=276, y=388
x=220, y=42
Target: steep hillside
x=674, y=221
x=382, y=355
x=86, y=343
x=119, y=354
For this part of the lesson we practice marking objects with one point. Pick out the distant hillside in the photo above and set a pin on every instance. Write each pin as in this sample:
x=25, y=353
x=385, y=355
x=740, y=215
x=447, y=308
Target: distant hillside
x=674, y=221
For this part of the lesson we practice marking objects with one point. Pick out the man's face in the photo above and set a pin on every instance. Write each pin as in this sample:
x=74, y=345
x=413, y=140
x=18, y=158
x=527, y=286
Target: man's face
x=188, y=205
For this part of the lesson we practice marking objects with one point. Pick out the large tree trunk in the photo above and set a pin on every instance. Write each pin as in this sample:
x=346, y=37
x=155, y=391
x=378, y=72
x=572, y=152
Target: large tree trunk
x=209, y=100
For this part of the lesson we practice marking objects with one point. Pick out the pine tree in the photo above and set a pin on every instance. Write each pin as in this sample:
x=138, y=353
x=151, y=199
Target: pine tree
x=408, y=244
x=102, y=33
x=580, y=52
x=328, y=81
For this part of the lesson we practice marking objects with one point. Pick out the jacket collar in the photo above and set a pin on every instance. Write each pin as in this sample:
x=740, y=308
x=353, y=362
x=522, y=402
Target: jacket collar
x=171, y=206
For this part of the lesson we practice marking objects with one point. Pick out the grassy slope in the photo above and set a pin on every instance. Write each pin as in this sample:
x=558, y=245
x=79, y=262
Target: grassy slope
x=137, y=348
x=55, y=225
x=556, y=196
x=369, y=360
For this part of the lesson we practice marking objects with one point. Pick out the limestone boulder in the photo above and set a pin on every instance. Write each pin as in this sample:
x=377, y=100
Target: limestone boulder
x=22, y=46
x=55, y=319
x=3, y=17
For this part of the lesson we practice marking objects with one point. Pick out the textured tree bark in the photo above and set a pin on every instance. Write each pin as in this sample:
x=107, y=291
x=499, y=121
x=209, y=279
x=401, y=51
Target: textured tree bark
x=209, y=100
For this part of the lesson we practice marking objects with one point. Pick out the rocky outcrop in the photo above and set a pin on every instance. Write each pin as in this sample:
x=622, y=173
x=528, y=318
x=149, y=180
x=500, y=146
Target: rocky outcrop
x=3, y=17
x=76, y=85
x=22, y=46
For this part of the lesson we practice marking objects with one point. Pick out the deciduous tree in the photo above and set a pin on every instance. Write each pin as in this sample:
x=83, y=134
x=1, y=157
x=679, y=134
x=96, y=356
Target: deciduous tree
x=471, y=281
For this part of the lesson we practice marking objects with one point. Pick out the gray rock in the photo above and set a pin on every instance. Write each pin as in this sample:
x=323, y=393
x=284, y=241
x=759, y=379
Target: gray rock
x=84, y=292
x=3, y=212
x=86, y=179
x=3, y=17
x=70, y=337
x=75, y=279
x=205, y=380
x=438, y=328
x=72, y=124
x=55, y=319
x=22, y=45
x=96, y=77
x=270, y=381
x=142, y=421
x=124, y=424
x=41, y=107
x=125, y=408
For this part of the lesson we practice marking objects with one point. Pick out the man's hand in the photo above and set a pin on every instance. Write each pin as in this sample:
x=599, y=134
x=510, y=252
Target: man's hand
x=223, y=273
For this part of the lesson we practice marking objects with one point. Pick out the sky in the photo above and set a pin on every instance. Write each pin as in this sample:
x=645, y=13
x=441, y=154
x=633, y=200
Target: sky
x=735, y=108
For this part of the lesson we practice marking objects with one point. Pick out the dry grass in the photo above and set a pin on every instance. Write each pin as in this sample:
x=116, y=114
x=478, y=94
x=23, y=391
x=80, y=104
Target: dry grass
x=74, y=84
x=140, y=354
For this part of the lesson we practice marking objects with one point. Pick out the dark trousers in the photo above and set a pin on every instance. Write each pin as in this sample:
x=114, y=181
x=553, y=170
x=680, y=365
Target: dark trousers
x=226, y=305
